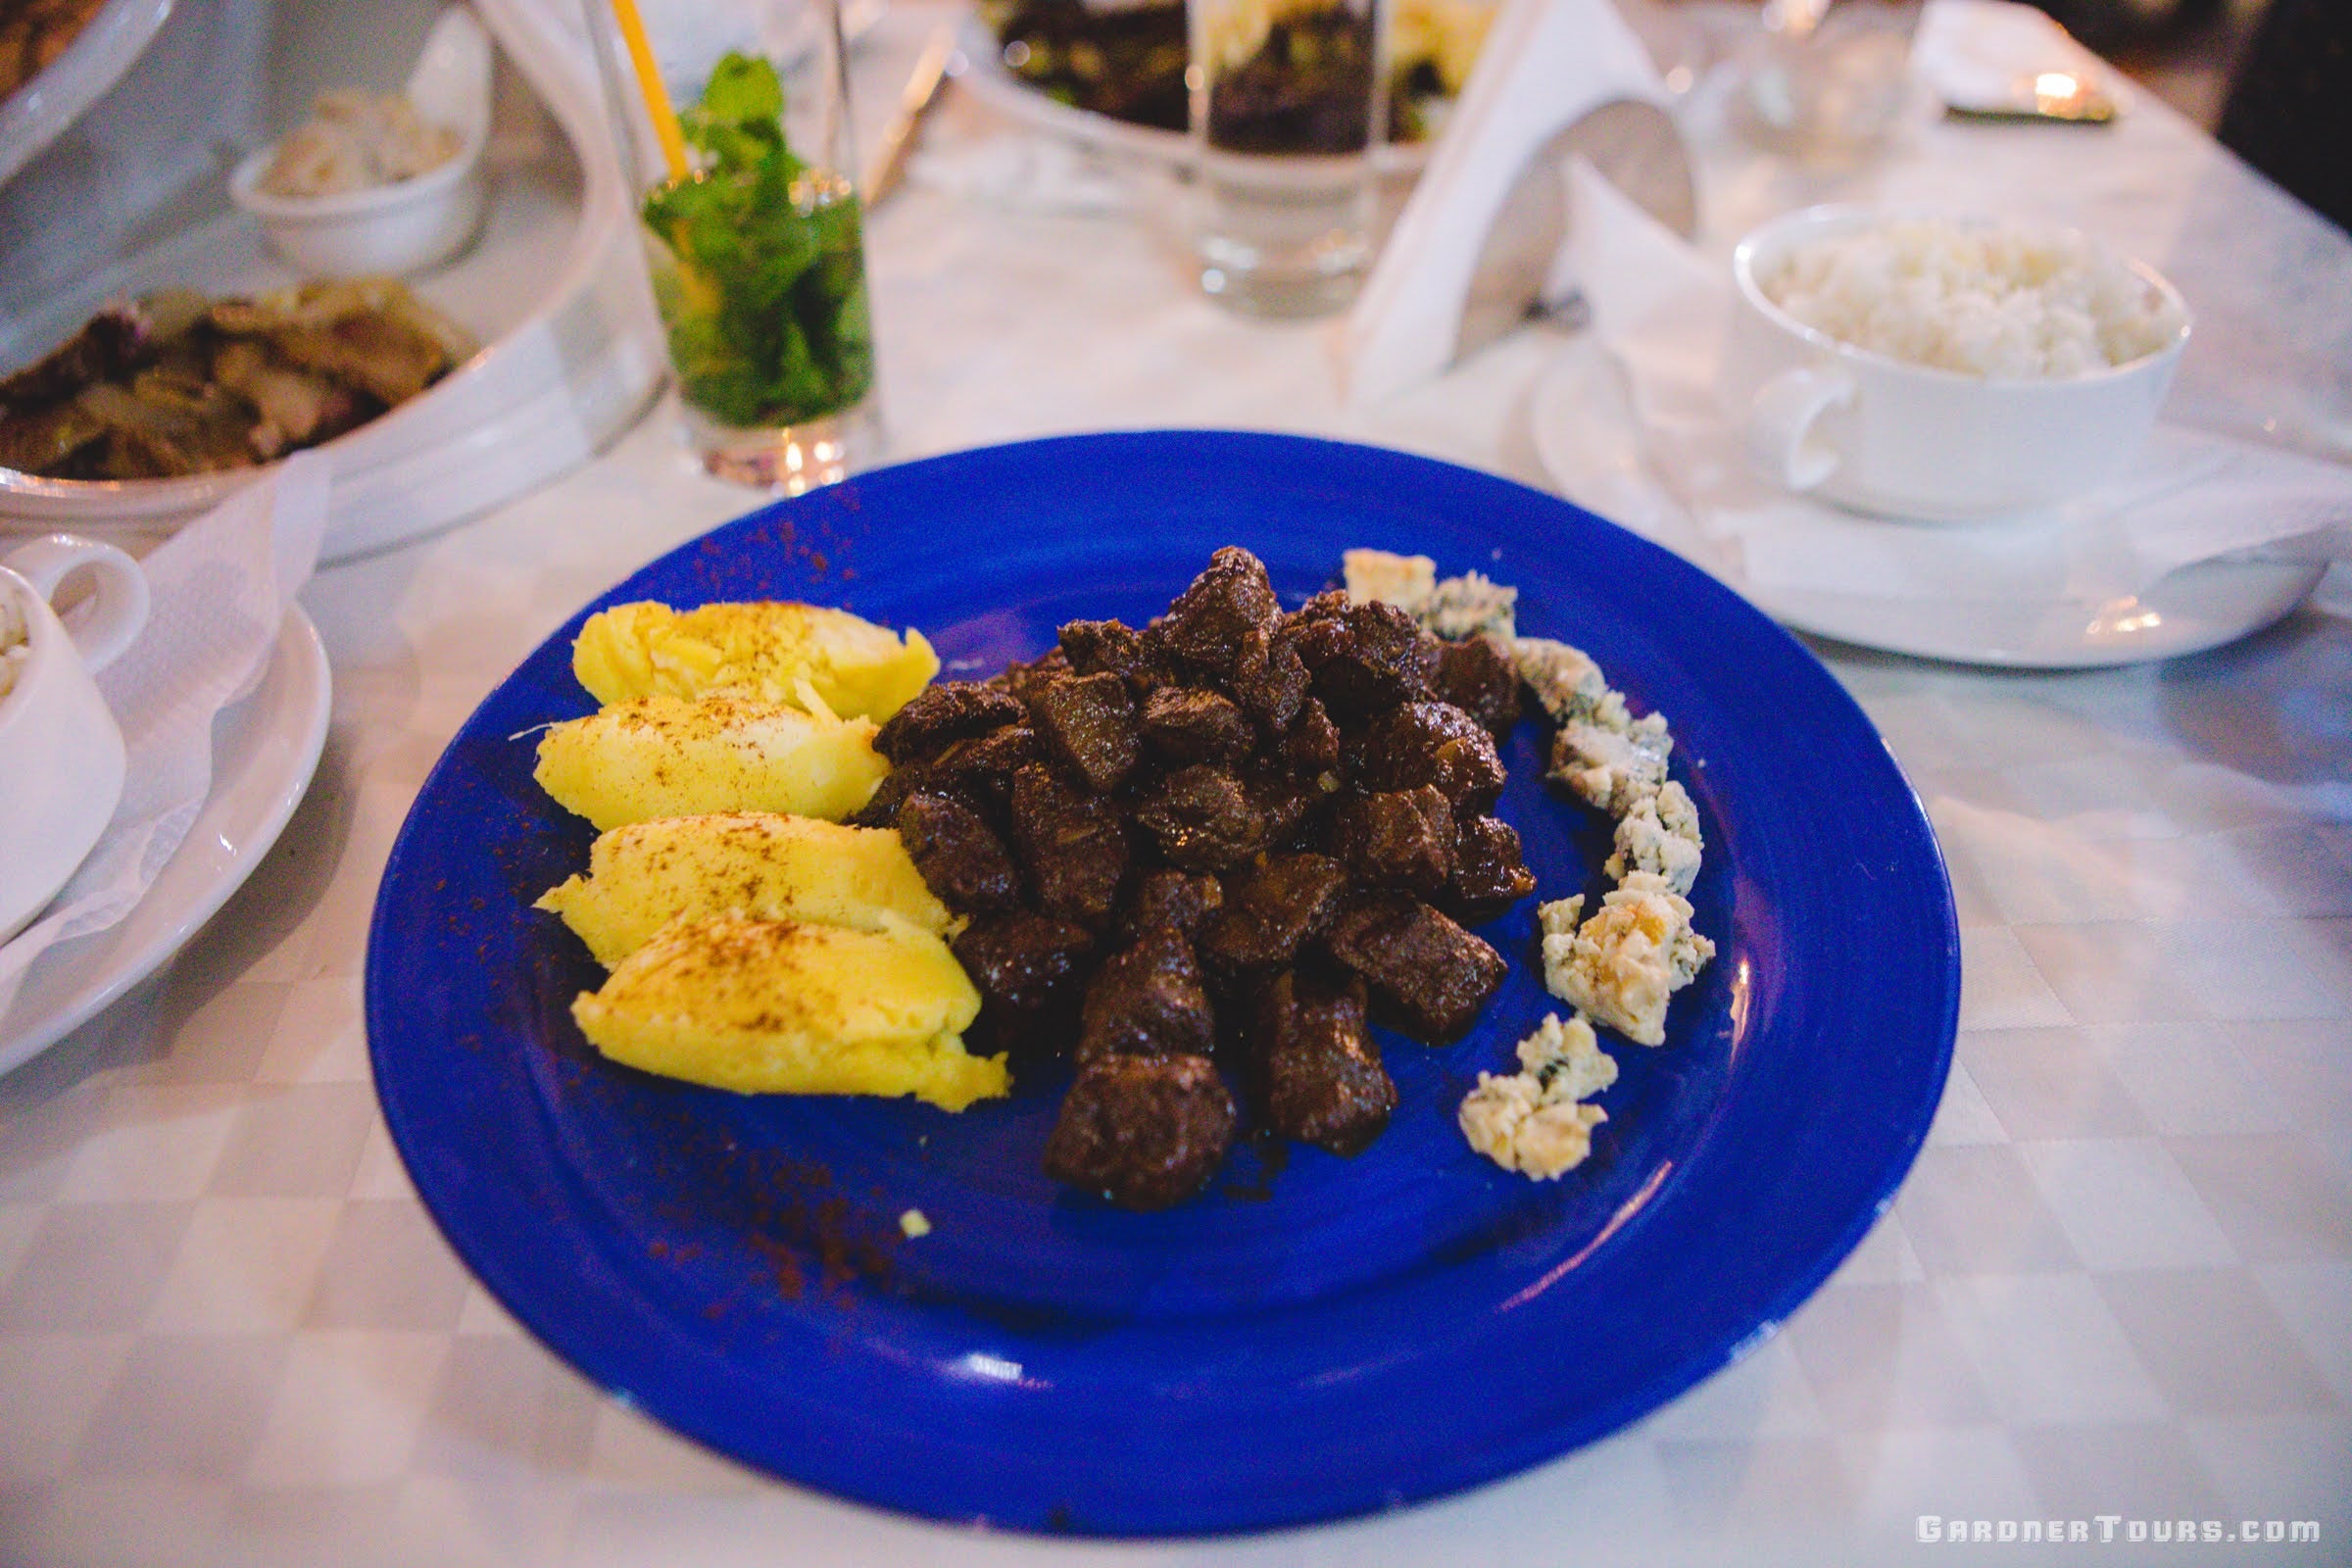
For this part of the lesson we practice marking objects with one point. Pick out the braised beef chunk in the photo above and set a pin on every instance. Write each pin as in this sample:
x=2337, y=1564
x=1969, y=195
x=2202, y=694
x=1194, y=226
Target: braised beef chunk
x=1428, y=743
x=1313, y=745
x=958, y=854
x=1030, y=971
x=1271, y=681
x=980, y=768
x=1488, y=875
x=946, y=711
x=1023, y=680
x=1146, y=999
x=1182, y=899
x=881, y=808
x=1229, y=817
x=1399, y=839
x=1474, y=676
x=1202, y=819
x=1110, y=648
x=1072, y=845
x=1229, y=607
x=1272, y=913
x=976, y=771
x=1088, y=722
x=1318, y=1074
x=1287, y=806
x=1146, y=1132
x=1362, y=657
x=1182, y=726
x=1428, y=971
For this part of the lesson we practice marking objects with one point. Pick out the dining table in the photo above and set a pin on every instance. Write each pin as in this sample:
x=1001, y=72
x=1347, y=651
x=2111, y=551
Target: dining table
x=2107, y=1316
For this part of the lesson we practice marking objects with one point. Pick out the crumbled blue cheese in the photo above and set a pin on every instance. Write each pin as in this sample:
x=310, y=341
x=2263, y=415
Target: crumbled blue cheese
x=1454, y=609
x=1533, y=1121
x=1506, y=1120
x=1660, y=834
x=1565, y=1059
x=1568, y=685
x=1612, y=769
x=1470, y=604
x=1623, y=965
x=1405, y=581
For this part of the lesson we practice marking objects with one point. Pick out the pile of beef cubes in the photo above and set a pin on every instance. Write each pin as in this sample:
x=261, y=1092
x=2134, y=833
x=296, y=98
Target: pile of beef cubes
x=1216, y=846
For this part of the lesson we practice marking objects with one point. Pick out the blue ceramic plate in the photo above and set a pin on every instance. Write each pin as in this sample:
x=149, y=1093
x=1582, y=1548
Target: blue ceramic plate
x=1314, y=1337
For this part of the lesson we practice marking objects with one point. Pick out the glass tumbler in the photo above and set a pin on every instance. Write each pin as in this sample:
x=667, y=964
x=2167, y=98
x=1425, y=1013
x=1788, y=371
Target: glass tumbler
x=1827, y=82
x=1289, y=106
x=753, y=232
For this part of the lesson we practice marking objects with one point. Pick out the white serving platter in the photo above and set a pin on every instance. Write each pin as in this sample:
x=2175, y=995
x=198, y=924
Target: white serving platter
x=553, y=289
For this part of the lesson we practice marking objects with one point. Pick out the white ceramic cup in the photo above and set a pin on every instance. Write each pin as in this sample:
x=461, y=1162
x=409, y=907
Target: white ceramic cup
x=61, y=753
x=1880, y=435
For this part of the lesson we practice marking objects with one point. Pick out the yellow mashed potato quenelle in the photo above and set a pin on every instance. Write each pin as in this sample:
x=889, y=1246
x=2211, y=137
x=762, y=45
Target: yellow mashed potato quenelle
x=764, y=649
x=778, y=1007
x=662, y=755
x=771, y=867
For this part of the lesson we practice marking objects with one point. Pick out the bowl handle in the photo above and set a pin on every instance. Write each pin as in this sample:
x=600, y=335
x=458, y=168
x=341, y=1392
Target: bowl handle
x=117, y=608
x=1781, y=419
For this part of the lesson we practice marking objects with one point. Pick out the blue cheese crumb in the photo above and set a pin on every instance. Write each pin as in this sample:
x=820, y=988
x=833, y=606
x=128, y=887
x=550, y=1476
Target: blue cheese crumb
x=1377, y=576
x=1660, y=835
x=1470, y=606
x=1623, y=965
x=913, y=1224
x=1535, y=1121
x=1454, y=609
x=1568, y=684
x=1612, y=769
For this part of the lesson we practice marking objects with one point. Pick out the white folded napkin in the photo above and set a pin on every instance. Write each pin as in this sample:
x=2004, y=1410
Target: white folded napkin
x=1662, y=313
x=1546, y=66
x=220, y=590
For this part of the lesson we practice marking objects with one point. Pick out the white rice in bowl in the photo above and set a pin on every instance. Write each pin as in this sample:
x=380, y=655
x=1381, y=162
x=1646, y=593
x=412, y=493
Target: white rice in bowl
x=16, y=645
x=1977, y=299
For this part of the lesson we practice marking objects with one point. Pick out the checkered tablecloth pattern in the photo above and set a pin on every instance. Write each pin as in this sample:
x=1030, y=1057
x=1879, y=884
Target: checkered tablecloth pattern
x=2118, y=1283
x=2116, y=1286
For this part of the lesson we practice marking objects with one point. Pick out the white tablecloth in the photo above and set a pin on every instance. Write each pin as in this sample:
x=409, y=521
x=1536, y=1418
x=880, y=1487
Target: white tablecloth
x=2116, y=1288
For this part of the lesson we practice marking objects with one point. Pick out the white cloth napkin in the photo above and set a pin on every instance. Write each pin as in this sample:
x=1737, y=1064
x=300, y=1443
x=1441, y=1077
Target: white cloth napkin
x=219, y=589
x=1546, y=66
x=1662, y=313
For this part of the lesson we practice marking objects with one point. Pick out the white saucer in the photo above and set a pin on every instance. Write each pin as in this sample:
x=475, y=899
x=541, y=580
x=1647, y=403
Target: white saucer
x=992, y=85
x=264, y=750
x=1585, y=436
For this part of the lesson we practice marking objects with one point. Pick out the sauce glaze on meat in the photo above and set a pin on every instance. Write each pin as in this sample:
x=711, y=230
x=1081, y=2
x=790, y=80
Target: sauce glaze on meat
x=1207, y=852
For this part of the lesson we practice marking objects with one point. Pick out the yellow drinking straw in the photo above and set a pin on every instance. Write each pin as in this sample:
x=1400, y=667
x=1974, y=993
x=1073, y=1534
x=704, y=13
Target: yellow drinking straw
x=649, y=82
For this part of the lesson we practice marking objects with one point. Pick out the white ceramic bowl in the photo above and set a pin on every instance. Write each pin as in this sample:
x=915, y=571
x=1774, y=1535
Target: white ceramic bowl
x=1880, y=435
x=61, y=754
x=409, y=225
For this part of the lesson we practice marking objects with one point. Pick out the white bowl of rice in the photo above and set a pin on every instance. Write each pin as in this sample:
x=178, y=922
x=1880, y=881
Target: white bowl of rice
x=1944, y=367
x=382, y=183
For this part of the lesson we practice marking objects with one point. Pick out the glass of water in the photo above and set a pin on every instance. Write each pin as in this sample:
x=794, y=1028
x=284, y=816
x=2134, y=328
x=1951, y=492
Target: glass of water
x=1828, y=81
x=1289, y=105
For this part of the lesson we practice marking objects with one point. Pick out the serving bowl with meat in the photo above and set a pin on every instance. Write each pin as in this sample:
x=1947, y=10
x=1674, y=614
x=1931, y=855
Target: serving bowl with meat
x=562, y=350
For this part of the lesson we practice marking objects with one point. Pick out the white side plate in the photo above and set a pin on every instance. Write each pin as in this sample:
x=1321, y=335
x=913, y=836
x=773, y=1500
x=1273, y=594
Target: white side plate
x=1585, y=438
x=264, y=750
